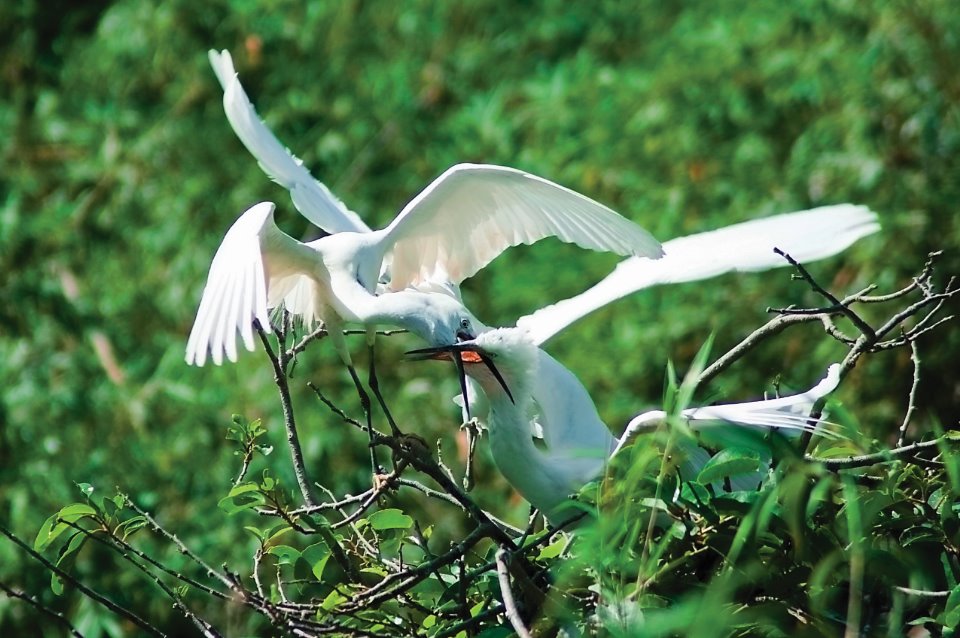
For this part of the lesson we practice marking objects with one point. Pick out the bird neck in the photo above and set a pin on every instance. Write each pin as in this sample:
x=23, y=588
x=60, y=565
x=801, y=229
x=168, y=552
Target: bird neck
x=568, y=415
x=545, y=478
x=407, y=309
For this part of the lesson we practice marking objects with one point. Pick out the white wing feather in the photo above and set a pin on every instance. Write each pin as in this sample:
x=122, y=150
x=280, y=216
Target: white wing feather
x=256, y=268
x=312, y=199
x=787, y=413
x=746, y=247
x=472, y=213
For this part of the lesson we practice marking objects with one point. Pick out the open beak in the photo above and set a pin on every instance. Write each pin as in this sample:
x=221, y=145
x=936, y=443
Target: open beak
x=461, y=353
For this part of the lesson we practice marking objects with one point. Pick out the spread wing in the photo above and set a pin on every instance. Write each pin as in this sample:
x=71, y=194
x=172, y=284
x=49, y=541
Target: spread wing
x=312, y=199
x=746, y=247
x=256, y=268
x=473, y=212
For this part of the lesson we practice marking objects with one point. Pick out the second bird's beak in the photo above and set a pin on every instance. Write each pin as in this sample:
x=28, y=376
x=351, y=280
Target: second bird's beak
x=461, y=353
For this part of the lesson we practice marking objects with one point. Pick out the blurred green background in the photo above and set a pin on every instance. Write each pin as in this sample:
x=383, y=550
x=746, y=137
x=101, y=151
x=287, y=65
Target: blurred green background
x=121, y=175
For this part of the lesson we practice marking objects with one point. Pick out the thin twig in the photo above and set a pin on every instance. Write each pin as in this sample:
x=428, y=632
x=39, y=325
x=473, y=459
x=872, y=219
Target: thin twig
x=334, y=408
x=386, y=590
x=885, y=456
x=509, y=604
x=127, y=547
x=30, y=600
x=912, y=398
x=443, y=496
x=468, y=625
x=383, y=485
x=86, y=591
x=773, y=327
x=840, y=306
x=293, y=440
x=183, y=549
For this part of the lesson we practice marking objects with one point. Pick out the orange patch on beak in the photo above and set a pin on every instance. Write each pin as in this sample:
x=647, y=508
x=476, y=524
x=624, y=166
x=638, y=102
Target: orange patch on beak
x=468, y=356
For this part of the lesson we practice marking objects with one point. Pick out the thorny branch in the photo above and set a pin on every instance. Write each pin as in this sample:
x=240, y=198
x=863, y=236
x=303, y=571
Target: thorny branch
x=33, y=602
x=870, y=339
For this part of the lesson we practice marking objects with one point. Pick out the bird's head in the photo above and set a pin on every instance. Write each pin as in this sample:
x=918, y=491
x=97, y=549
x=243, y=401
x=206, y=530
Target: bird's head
x=503, y=361
x=440, y=319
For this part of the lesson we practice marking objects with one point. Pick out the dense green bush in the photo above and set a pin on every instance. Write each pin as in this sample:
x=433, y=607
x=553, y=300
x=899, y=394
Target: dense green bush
x=120, y=176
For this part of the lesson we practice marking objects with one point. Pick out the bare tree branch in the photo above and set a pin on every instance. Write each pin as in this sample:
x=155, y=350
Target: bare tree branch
x=293, y=439
x=120, y=610
x=513, y=614
x=30, y=600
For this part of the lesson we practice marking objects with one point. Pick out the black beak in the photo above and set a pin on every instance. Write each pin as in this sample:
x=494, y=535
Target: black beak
x=454, y=352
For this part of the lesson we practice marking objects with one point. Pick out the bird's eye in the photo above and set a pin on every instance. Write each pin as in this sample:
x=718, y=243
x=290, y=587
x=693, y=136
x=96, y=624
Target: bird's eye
x=465, y=333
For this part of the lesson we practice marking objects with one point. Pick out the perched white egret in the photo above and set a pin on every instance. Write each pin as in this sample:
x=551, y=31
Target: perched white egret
x=507, y=365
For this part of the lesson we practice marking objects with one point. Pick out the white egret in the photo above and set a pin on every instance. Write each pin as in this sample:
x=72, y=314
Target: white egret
x=807, y=235
x=507, y=364
x=452, y=229
x=448, y=232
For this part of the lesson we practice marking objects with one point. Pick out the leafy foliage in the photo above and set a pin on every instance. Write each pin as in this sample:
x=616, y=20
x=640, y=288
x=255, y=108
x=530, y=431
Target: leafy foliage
x=117, y=158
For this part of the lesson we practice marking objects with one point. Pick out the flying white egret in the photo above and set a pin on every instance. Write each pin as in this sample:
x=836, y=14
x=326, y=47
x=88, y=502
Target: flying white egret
x=452, y=229
x=507, y=364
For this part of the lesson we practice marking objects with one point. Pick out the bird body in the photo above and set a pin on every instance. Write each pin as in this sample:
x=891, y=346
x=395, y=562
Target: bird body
x=576, y=449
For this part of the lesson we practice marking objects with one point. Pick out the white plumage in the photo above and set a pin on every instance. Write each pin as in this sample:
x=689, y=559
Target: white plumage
x=454, y=227
x=255, y=268
x=578, y=444
x=312, y=199
x=807, y=236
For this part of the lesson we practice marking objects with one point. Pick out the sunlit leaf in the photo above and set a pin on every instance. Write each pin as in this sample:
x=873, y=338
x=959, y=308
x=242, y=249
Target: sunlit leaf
x=390, y=519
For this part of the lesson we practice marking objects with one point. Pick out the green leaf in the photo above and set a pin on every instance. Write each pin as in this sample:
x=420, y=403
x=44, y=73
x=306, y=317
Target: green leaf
x=553, y=549
x=56, y=525
x=132, y=524
x=951, y=610
x=729, y=462
x=317, y=556
x=285, y=554
x=67, y=558
x=88, y=491
x=242, y=497
x=333, y=599
x=273, y=535
x=390, y=519
x=255, y=531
